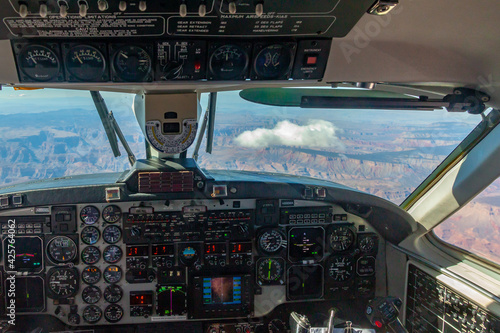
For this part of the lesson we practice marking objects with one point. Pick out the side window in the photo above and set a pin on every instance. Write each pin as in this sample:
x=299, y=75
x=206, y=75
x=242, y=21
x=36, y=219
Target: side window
x=476, y=227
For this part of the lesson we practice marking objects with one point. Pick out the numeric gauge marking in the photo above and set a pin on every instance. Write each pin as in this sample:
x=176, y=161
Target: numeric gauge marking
x=113, y=293
x=39, y=63
x=62, y=249
x=91, y=275
x=113, y=313
x=111, y=214
x=63, y=282
x=271, y=241
x=89, y=215
x=111, y=234
x=92, y=314
x=112, y=254
x=228, y=62
x=368, y=243
x=341, y=238
x=90, y=235
x=112, y=274
x=340, y=268
x=132, y=63
x=273, y=62
x=85, y=63
x=171, y=143
x=270, y=271
x=91, y=255
x=91, y=294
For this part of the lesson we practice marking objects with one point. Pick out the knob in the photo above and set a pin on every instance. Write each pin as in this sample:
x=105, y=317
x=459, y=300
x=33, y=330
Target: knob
x=63, y=10
x=43, y=10
x=183, y=10
x=135, y=232
x=122, y=6
x=202, y=10
x=259, y=9
x=83, y=9
x=142, y=6
x=23, y=10
x=102, y=5
x=232, y=7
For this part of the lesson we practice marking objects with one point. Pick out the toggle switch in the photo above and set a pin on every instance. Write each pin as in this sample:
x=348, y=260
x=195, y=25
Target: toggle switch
x=43, y=10
x=202, y=10
x=183, y=9
x=142, y=6
x=232, y=7
x=102, y=5
x=122, y=6
x=259, y=9
x=83, y=7
x=23, y=10
x=63, y=10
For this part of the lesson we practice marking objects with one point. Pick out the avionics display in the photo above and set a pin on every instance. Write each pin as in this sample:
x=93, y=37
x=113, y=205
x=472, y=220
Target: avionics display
x=137, y=251
x=217, y=248
x=244, y=247
x=306, y=244
x=305, y=282
x=28, y=254
x=222, y=290
x=29, y=294
x=162, y=250
x=171, y=300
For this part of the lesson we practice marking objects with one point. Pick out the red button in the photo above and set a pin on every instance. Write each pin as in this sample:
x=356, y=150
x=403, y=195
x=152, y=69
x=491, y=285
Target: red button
x=197, y=65
x=311, y=60
x=378, y=324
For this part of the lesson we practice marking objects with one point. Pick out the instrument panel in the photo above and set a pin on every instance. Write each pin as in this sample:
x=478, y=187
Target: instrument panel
x=145, y=262
x=167, y=60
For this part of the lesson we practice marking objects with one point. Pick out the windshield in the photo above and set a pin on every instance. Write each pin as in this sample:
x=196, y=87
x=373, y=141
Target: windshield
x=53, y=133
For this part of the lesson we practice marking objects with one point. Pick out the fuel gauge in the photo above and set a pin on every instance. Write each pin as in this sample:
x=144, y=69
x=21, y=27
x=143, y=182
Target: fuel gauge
x=39, y=63
x=85, y=63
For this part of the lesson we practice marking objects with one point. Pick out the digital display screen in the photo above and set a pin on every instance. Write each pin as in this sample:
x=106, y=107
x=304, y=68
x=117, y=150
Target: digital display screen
x=27, y=252
x=222, y=290
x=29, y=294
x=305, y=282
x=137, y=251
x=163, y=250
x=240, y=247
x=141, y=298
x=306, y=244
x=171, y=300
x=215, y=248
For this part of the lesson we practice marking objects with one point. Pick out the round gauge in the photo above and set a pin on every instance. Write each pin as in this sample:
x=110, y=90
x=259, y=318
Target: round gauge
x=63, y=282
x=276, y=326
x=90, y=235
x=91, y=294
x=85, y=63
x=111, y=214
x=340, y=268
x=113, y=313
x=113, y=293
x=273, y=62
x=62, y=249
x=270, y=241
x=112, y=274
x=111, y=234
x=91, y=275
x=112, y=254
x=91, y=255
x=367, y=244
x=270, y=269
x=39, y=63
x=92, y=314
x=228, y=62
x=341, y=238
x=132, y=63
x=188, y=255
x=89, y=215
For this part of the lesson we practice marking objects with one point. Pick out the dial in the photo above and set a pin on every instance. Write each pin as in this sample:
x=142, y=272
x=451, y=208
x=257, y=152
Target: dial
x=112, y=254
x=273, y=62
x=111, y=234
x=62, y=249
x=90, y=235
x=188, y=255
x=340, y=268
x=113, y=293
x=63, y=282
x=132, y=63
x=92, y=314
x=39, y=63
x=113, y=313
x=91, y=255
x=228, y=62
x=270, y=270
x=91, y=294
x=91, y=275
x=271, y=241
x=89, y=215
x=85, y=63
x=111, y=213
x=367, y=244
x=341, y=238
x=112, y=274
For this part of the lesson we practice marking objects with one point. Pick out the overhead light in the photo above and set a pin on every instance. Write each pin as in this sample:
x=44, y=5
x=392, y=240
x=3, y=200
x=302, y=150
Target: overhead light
x=383, y=7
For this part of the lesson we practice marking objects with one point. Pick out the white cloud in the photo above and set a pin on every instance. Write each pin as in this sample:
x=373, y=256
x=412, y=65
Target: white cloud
x=316, y=133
